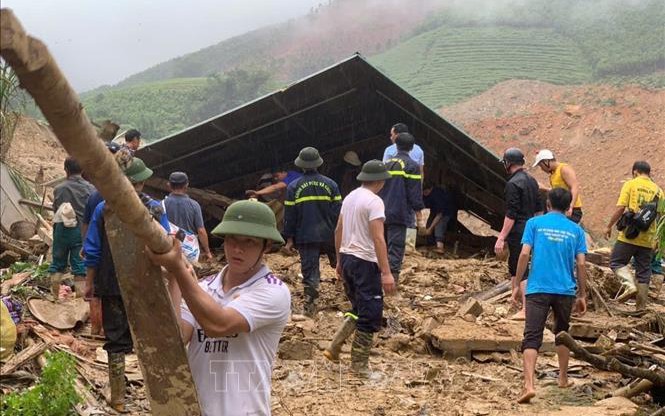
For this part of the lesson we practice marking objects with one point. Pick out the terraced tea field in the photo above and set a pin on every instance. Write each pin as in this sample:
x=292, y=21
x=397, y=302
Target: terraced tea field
x=446, y=65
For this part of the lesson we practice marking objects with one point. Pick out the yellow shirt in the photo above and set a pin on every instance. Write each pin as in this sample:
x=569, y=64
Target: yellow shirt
x=557, y=181
x=634, y=194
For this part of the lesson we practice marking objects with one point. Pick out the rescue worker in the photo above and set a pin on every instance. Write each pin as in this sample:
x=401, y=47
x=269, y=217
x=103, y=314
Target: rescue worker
x=402, y=195
x=67, y=241
x=522, y=203
x=557, y=248
x=232, y=321
x=312, y=206
x=102, y=282
x=563, y=176
x=363, y=265
x=637, y=244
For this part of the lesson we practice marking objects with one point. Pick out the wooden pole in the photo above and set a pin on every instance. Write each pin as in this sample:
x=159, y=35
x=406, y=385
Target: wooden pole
x=155, y=329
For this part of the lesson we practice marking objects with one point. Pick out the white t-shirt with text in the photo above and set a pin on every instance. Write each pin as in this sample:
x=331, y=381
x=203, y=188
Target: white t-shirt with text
x=359, y=208
x=233, y=374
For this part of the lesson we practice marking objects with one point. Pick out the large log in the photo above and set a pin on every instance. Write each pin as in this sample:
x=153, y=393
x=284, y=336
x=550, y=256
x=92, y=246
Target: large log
x=160, y=349
x=656, y=377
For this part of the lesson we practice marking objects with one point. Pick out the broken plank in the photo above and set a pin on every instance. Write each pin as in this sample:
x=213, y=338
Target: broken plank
x=160, y=349
x=35, y=204
x=22, y=357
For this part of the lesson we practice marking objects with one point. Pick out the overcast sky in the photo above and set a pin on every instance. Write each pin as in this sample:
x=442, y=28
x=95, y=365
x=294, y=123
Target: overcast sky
x=99, y=42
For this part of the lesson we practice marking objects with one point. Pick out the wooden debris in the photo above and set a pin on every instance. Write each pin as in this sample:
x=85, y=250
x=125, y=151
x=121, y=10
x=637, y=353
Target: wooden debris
x=15, y=280
x=633, y=389
x=480, y=376
x=22, y=357
x=499, y=289
x=612, y=364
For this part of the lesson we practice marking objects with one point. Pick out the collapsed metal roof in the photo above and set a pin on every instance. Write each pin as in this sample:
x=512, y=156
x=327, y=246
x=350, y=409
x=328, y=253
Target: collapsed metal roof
x=348, y=106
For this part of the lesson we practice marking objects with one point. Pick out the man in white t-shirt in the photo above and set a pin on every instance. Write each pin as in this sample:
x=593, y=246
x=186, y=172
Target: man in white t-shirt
x=363, y=265
x=233, y=320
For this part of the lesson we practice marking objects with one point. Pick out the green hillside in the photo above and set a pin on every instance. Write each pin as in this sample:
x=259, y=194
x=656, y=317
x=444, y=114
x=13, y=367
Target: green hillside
x=445, y=65
x=455, y=54
x=155, y=108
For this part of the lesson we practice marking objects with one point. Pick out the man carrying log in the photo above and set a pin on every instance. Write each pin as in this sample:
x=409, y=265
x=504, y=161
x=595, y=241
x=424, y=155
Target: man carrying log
x=556, y=245
x=233, y=320
x=102, y=282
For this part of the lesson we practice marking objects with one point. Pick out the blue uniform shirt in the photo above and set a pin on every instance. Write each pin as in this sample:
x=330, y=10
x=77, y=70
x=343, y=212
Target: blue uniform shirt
x=416, y=154
x=555, y=242
x=312, y=207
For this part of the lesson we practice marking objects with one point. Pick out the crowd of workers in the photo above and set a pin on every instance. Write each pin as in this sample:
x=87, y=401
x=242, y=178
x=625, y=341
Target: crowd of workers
x=234, y=319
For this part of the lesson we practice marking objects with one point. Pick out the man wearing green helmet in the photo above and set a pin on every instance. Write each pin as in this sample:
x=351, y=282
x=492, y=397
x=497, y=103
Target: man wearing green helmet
x=312, y=207
x=233, y=320
x=363, y=265
x=102, y=282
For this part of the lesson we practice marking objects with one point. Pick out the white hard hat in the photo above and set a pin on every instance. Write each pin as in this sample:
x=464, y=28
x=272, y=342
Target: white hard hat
x=352, y=158
x=544, y=154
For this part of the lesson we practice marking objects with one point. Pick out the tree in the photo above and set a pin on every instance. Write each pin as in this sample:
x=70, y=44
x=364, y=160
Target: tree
x=12, y=101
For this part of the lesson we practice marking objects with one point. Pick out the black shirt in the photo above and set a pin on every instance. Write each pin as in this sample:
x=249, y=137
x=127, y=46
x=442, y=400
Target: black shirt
x=522, y=199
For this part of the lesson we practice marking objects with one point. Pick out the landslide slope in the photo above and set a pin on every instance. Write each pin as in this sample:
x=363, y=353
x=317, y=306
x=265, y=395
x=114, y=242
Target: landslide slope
x=599, y=129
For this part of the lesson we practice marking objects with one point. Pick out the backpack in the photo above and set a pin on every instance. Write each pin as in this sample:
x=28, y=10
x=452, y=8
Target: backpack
x=646, y=215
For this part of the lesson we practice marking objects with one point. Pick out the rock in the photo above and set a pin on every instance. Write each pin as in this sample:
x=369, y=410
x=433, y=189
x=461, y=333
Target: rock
x=398, y=342
x=616, y=403
x=471, y=307
x=573, y=110
x=295, y=350
x=469, y=318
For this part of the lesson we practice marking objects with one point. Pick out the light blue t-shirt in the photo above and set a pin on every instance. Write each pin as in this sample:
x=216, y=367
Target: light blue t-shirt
x=555, y=242
x=416, y=154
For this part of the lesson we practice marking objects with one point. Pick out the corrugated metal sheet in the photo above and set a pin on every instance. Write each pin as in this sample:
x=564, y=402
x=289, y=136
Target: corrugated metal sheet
x=348, y=106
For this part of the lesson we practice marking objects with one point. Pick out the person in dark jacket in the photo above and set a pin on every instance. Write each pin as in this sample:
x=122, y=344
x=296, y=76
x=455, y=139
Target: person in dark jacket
x=522, y=203
x=311, y=210
x=402, y=194
x=101, y=282
x=442, y=206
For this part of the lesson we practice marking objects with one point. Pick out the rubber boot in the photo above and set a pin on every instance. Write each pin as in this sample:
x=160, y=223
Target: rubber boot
x=56, y=279
x=628, y=286
x=117, y=381
x=344, y=332
x=642, y=296
x=311, y=296
x=362, y=344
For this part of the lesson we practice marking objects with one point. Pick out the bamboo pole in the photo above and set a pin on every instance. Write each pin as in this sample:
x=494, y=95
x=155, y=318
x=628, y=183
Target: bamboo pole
x=40, y=76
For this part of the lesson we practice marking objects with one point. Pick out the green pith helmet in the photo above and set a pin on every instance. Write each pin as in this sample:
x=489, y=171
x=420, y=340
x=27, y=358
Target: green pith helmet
x=137, y=171
x=373, y=170
x=308, y=158
x=250, y=219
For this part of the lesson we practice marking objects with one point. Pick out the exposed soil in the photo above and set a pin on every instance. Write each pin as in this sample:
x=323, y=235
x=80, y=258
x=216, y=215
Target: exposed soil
x=600, y=130
x=34, y=145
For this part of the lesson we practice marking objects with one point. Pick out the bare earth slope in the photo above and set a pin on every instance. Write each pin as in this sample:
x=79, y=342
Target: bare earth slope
x=34, y=146
x=600, y=130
